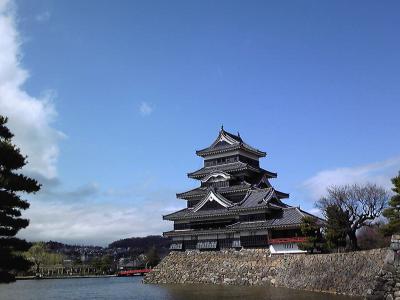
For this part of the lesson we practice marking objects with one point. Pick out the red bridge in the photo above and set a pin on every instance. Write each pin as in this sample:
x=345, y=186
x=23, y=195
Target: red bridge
x=140, y=272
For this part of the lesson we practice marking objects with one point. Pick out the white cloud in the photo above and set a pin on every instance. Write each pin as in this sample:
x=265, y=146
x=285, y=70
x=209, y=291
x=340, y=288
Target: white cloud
x=30, y=118
x=88, y=221
x=86, y=214
x=145, y=109
x=315, y=211
x=43, y=16
x=379, y=173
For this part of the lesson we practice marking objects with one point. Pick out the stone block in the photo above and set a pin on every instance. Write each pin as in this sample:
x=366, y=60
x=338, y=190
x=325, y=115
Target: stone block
x=395, y=242
x=389, y=268
x=376, y=296
x=389, y=259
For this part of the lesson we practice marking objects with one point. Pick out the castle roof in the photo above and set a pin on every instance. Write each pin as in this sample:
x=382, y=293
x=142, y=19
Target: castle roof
x=289, y=216
x=229, y=168
x=226, y=142
x=202, y=191
x=286, y=217
x=255, y=199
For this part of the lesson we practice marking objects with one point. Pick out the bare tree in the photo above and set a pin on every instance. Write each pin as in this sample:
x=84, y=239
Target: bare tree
x=361, y=203
x=37, y=255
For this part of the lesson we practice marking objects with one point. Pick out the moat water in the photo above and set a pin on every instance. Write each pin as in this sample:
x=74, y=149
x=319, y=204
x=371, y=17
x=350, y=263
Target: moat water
x=121, y=288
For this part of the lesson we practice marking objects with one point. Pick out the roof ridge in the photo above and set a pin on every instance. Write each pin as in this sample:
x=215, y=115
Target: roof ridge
x=248, y=193
x=309, y=214
x=300, y=211
x=232, y=135
x=289, y=207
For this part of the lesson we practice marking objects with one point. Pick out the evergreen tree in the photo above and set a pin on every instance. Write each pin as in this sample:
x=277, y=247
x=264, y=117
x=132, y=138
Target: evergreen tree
x=311, y=230
x=11, y=184
x=392, y=213
x=152, y=258
x=336, y=227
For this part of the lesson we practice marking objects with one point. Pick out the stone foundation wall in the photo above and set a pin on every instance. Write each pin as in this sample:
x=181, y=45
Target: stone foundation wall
x=215, y=267
x=387, y=282
x=344, y=273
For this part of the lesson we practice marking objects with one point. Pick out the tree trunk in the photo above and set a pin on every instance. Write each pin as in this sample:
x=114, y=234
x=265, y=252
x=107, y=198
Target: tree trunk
x=353, y=245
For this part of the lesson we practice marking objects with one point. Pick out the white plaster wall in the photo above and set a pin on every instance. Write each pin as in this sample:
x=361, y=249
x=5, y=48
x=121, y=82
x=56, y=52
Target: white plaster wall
x=281, y=249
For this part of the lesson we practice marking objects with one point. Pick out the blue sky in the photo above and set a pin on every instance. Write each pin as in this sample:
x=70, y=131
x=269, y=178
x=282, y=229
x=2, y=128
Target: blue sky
x=130, y=89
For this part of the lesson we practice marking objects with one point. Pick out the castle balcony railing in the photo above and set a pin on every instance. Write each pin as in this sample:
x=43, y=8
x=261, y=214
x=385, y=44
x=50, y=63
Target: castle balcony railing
x=297, y=239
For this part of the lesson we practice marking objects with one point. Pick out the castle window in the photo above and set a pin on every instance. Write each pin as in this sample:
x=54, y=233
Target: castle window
x=289, y=246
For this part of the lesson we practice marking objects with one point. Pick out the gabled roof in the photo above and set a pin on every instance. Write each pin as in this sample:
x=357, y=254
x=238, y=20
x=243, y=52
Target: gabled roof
x=260, y=197
x=211, y=197
x=227, y=142
x=216, y=174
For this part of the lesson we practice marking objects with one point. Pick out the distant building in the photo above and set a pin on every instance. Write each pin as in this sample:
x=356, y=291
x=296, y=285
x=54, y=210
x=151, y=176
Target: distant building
x=235, y=205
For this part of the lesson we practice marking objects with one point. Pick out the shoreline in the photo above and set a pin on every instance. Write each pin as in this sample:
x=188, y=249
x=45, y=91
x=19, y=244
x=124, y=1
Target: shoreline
x=62, y=277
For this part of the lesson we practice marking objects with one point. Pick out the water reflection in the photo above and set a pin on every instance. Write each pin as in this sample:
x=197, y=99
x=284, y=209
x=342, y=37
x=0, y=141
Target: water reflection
x=211, y=292
x=132, y=288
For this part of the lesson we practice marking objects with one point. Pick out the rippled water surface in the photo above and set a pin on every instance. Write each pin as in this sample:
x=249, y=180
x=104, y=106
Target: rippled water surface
x=132, y=288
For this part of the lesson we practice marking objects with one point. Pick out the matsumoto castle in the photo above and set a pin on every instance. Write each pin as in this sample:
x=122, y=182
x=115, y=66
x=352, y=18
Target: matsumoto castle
x=235, y=205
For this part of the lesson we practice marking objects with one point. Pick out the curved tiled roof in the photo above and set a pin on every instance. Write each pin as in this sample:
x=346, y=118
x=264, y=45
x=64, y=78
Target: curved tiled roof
x=202, y=191
x=227, y=142
x=289, y=216
x=256, y=199
x=227, y=147
x=286, y=218
x=230, y=167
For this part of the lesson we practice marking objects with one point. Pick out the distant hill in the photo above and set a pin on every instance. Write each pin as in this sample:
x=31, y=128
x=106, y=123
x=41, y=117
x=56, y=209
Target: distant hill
x=143, y=243
x=54, y=246
x=120, y=248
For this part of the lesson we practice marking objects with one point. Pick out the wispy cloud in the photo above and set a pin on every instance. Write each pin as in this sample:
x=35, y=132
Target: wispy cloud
x=378, y=172
x=30, y=118
x=78, y=194
x=146, y=109
x=43, y=16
